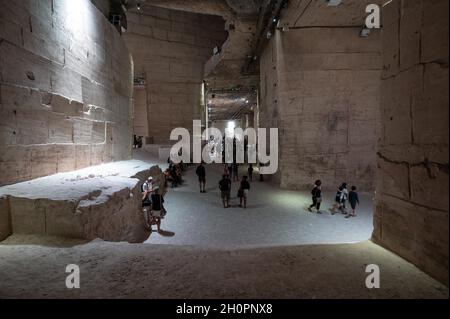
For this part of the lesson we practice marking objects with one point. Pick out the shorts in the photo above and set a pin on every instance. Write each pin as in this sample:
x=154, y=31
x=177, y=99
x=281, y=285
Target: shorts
x=225, y=195
x=202, y=179
x=156, y=213
x=338, y=199
x=353, y=205
x=243, y=193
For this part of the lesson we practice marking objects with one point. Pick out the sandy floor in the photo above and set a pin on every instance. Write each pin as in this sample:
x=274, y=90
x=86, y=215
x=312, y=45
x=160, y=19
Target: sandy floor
x=209, y=252
x=120, y=270
x=274, y=217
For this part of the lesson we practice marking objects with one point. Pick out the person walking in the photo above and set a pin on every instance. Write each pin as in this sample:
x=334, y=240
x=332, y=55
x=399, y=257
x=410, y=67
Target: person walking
x=340, y=200
x=353, y=199
x=201, y=173
x=250, y=172
x=158, y=209
x=225, y=190
x=344, y=197
x=243, y=191
x=316, y=193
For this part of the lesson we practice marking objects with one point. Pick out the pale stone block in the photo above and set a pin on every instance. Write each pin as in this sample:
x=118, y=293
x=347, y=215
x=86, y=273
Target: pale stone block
x=60, y=104
x=16, y=97
x=44, y=160
x=24, y=68
x=66, y=158
x=60, y=128
x=33, y=127
x=82, y=156
x=82, y=131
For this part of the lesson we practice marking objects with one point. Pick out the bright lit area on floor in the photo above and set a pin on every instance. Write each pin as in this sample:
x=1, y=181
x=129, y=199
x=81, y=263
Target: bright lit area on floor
x=274, y=217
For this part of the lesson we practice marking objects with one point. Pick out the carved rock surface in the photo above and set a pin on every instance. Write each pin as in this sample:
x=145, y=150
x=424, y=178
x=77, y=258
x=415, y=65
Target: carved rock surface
x=96, y=202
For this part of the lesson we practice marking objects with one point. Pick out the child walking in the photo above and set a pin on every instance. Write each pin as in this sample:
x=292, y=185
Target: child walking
x=340, y=199
x=316, y=196
x=353, y=198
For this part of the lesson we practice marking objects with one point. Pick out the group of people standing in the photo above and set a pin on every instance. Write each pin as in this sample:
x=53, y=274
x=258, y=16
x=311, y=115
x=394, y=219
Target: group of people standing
x=174, y=174
x=230, y=173
x=342, y=195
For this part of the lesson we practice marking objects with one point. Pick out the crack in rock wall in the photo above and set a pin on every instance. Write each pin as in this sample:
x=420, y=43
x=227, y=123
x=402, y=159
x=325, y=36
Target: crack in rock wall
x=411, y=215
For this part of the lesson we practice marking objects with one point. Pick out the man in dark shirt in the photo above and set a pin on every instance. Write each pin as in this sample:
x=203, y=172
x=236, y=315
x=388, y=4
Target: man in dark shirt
x=201, y=173
x=353, y=198
x=243, y=191
x=157, y=207
x=316, y=196
x=225, y=189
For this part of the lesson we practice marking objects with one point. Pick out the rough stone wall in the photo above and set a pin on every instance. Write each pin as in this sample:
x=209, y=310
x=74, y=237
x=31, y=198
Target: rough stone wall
x=411, y=216
x=170, y=49
x=65, y=89
x=320, y=86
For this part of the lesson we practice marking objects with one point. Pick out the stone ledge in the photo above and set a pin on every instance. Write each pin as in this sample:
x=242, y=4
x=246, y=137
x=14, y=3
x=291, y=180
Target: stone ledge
x=96, y=202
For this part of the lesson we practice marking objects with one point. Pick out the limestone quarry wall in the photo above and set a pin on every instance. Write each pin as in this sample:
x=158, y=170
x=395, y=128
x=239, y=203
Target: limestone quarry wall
x=65, y=89
x=320, y=85
x=170, y=49
x=411, y=216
